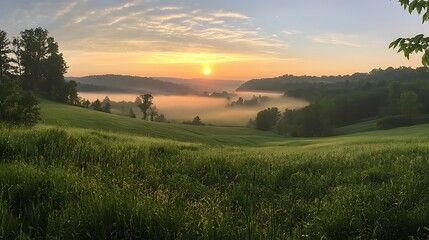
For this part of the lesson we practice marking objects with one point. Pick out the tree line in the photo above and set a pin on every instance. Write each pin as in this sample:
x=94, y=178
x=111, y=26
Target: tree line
x=31, y=63
x=395, y=97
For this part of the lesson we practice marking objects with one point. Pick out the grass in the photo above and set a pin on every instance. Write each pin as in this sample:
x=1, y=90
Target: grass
x=54, y=114
x=86, y=183
x=357, y=128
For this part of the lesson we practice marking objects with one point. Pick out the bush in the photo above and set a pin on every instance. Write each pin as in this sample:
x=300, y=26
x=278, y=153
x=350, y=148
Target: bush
x=17, y=107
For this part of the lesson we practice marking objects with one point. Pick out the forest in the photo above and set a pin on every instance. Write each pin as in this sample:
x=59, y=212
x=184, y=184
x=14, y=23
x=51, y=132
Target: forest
x=394, y=97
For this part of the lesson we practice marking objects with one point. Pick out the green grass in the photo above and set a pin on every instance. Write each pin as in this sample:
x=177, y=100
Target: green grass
x=356, y=128
x=55, y=114
x=82, y=182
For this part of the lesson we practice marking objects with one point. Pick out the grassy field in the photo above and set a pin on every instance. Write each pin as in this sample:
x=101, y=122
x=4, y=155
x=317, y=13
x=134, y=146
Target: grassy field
x=69, y=178
x=54, y=114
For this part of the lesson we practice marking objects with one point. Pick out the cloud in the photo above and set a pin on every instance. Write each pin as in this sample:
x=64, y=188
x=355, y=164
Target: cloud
x=162, y=32
x=336, y=39
x=169, y=8
x=290, y=32
x=229, y=15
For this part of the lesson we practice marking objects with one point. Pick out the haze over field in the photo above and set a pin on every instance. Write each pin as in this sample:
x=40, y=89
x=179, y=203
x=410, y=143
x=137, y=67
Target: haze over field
x=211, y=110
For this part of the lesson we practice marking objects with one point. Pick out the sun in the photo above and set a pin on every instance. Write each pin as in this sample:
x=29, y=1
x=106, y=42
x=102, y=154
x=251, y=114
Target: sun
x=207, y=71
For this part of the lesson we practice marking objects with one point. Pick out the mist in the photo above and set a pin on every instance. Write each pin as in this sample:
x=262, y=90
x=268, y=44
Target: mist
x=210, y=110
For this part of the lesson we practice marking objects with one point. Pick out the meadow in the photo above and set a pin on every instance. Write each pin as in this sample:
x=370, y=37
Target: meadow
x=82, y=174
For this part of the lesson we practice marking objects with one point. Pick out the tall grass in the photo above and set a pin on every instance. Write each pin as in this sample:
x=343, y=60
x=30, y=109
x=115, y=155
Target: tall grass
x=69, y=184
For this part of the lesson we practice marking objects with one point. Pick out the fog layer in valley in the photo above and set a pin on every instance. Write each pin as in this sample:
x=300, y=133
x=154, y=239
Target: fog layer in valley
x=210, y=110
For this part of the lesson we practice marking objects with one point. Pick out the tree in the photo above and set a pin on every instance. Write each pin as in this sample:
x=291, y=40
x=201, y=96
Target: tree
x=73, y=97
x=131, y=113
x=96, y=105
x=107, y=107
x=409, y=104
x=138, y=101
x=42, y=64
x=17, y=45
x=147, y=102
x=197, y=121
x=5, y=60
x=86, y=104
x=160, y=118
x=266, y=119
x=153, y=111
x=419, y=43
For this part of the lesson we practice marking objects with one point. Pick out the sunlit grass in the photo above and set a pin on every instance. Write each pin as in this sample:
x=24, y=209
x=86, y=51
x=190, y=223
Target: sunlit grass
x=83, y=182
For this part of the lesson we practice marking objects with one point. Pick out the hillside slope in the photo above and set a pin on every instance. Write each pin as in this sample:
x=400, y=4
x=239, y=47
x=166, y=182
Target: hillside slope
x=60, y=115
x=133, y=84
x=291, y=82
x=58, y=181
x=75, y=117
x=209, y=85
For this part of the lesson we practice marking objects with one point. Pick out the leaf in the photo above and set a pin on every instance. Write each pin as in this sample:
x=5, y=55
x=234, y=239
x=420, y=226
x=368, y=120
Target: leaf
x=395, y=43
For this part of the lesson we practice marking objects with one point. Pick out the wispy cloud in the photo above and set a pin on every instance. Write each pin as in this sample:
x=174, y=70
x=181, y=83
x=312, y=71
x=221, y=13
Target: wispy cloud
x=337, y=39
x=290, y=32
x=169, y=30
x=229, y=15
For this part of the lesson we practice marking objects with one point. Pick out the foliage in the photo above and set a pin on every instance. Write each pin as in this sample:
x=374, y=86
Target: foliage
x=147, y=102
x=306, y=122
x=419, y=43
x=383, y=93
x=35, y=59
x=153, y=112
x=96, y=105
x=132, y=114
x=266, y=119
x=17, y=107
x=72, y=95
x=5, y=60
x=409, y=104
x=254, y=101
x=106, y=107
x=160, y=118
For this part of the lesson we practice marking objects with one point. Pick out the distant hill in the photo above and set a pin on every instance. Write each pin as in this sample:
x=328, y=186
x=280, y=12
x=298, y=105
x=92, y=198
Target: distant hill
x=209, y=85
x=285, y=82
x=290, y=82
x=131, y=84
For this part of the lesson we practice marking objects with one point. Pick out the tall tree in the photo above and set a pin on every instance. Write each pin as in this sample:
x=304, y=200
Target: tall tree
x=419, y=43
x=16, y=50
x=43, y=65
x=147, y=102
x=5, y=60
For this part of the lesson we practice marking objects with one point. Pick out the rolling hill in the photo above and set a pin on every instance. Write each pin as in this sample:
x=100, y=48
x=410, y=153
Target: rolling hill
x=91, y=175
x=130, y=84
x=209, y=85
x=291, y=82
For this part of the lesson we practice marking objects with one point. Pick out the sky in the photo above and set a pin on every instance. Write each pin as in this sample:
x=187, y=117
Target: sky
x=236, y=39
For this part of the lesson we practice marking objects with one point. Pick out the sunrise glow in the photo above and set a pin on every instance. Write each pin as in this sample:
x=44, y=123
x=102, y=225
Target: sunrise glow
x=245, y=41
x=207, y=71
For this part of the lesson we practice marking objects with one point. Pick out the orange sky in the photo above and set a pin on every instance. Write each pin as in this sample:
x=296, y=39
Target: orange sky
x=238, y=39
